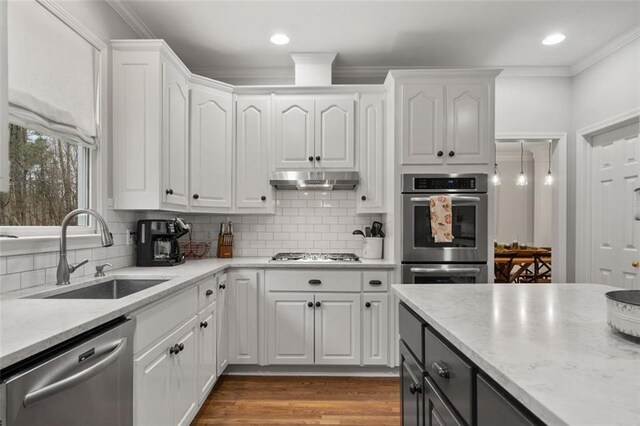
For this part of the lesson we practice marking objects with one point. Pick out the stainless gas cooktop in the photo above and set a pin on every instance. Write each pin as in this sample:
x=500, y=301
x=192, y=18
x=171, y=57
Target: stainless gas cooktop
x=315, y=257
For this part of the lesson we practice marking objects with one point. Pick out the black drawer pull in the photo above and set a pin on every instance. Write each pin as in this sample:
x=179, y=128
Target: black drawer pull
x=315, y=282
x=440, y=370
x=375, y=282
x=208, y=292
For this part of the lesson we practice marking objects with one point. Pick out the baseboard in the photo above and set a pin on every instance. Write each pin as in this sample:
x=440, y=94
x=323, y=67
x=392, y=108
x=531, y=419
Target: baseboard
x=311, y=370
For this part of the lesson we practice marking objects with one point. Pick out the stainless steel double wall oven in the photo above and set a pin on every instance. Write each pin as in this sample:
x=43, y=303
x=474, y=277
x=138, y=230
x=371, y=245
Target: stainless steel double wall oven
x=464, y=260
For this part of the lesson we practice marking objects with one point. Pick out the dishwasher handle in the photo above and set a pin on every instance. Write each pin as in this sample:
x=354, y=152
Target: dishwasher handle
x=38, y=395
x=444, y=271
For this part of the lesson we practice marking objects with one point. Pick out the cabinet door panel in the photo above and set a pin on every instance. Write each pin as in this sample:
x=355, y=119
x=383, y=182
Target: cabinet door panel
x=252, y=167
x=437, y=411
x=337, y=328
x=289, y=328
x=371, y=137
x=185, y=392
x=175, y=130
x=422, y=123
x=222, y=334
x=211, y=149
x=467, y=121
x=243, y=317
x=375, y=329
x=153, y=386
x=335, y=133
x=294, y=132
x=207, y=366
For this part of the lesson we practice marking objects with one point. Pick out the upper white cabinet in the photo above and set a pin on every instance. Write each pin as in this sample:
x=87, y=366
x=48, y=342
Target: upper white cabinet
x=4, y=117
x=314, y=131
x=253, y=192
x=446, y=116
x=150, y=126
x=370, y=195
x=211, y=143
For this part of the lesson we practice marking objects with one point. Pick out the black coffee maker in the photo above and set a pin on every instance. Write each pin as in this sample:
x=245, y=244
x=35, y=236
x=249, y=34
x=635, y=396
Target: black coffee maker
x=158, y=242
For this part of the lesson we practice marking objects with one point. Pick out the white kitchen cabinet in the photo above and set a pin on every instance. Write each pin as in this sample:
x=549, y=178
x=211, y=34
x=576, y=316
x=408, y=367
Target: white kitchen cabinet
x=4, y=113
x=290, y=330
x=211, y=144
x=253, y=192
x=165, y=379
x=222, y=332
x=314, y=131
x=242, y=288
x=150, y=126
x=294, y=144
x=422, y=107
x=335, y=132
x=337, y=328
x=370, y=193
x=207, y=351
x=375, y=329
x=468, y=139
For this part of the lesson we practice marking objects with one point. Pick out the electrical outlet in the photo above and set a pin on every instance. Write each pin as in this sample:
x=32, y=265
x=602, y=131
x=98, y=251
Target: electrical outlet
x=129, y=237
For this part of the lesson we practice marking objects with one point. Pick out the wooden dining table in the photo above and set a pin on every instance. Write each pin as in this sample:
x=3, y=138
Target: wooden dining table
x=523, y=259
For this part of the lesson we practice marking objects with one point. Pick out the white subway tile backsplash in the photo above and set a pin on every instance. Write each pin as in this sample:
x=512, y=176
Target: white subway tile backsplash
x=20, y=263
x=32, y=278
x=3, y=266
x=9, y=283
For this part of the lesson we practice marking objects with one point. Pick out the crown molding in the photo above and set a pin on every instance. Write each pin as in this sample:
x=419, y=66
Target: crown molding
x=616, y=44
x=131, y=18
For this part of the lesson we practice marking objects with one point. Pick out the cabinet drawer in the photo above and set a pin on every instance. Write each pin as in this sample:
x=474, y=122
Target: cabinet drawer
x=161, y=318
x=452, y=374
x=494, y=408
x=207, y=291
x=375, y=280
x=315, y=280
x=411, y=331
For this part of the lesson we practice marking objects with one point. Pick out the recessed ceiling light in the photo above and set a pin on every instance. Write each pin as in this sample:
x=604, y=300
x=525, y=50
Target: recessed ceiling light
x=553, y=39
x=279, y=39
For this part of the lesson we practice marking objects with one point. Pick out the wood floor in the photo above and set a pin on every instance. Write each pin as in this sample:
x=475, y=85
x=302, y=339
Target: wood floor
x=281, y=400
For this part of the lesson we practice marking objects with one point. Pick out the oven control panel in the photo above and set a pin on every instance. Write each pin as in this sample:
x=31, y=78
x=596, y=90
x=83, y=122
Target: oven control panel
x=444, y=183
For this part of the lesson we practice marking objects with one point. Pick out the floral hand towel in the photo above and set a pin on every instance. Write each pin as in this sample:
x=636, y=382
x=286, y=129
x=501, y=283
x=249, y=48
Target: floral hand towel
x=441, y=218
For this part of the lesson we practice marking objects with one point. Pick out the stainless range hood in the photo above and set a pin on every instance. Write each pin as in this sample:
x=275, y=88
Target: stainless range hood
x=315, y=180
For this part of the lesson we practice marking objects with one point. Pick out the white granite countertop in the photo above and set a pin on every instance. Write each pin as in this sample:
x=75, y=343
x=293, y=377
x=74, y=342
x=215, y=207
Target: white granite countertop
x=547, y=345
x=31, y=325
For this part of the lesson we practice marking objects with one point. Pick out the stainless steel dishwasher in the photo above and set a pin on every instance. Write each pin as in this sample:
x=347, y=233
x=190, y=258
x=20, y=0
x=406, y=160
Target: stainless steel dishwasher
x=85, y=381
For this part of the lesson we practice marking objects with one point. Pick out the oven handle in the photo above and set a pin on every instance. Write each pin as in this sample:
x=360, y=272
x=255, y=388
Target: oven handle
x=453, y=198
x=441, y=271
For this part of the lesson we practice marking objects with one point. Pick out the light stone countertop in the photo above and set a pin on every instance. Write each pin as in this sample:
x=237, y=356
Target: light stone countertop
x=547, y=345
x=31, y=325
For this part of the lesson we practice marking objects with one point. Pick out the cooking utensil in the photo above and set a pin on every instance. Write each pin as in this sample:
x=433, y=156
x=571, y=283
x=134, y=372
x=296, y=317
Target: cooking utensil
x=358, y=232
x=367, y=231
x=376, y=228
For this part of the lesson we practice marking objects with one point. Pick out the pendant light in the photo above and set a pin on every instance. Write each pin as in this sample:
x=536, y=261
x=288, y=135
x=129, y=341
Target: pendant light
x=548, y=179
x=496, y=174
x=522, y=178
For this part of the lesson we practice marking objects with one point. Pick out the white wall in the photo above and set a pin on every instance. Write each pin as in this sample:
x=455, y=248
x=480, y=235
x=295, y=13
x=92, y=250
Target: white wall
x=542, y=197
x=514, y=218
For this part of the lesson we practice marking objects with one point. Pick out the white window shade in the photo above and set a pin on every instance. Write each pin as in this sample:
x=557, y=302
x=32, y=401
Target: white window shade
x=52, y=74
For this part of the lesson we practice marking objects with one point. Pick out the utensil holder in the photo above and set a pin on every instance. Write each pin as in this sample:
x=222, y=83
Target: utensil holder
x=372, y=247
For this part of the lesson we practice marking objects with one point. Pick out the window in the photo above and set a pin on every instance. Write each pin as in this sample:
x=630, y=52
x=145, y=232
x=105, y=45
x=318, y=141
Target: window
x=49, y=177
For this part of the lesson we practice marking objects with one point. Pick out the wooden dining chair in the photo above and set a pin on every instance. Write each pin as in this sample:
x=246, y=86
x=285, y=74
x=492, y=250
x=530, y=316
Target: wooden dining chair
x=502, y=270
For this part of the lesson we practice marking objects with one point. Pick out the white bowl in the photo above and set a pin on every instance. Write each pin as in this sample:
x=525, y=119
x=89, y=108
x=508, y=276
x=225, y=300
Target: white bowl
x=623, y=311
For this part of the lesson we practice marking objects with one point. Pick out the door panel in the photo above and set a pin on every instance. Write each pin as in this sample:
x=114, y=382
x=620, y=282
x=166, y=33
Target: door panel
x=337, y=329
x=222, y=334
x=294, y=132
x=153, y=387
x=211, y=149
x=243, y=317
x=371, y=162
x=207, y=366
x=290, y=328
x=375, y=329
x=185, y=396
x=422, y=123
x=467, y=120
x=175, y=122
x=335, y=133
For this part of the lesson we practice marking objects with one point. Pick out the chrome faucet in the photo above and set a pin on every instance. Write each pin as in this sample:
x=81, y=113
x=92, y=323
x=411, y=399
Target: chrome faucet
x=64, y=269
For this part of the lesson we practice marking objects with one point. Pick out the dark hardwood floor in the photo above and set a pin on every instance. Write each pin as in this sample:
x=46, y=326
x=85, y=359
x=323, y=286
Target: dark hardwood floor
x=283, y=400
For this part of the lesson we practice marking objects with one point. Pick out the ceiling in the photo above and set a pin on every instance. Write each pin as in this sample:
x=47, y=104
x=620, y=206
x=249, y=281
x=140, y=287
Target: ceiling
x=218, y=38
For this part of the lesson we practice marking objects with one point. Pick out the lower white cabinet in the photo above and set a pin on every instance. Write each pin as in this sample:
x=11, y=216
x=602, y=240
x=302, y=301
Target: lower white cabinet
x=165, y=379
x=375, y=329
x=337, y=328
x=222, y=332
x=242, y=293
x=290, y=328
x=207, y=351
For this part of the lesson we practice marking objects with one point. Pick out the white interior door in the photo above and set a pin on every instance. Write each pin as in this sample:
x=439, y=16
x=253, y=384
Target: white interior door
x=615, y=232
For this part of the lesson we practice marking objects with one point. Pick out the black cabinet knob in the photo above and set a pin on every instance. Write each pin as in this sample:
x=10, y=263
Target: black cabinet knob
x=317, y=158
x=311, y=158
x=368, y=304
x=263, y=198
x=318, y=304
x=414, y=389
x=363, y=198
x=310, y=304
x=440, y=153
x=315, y=282
x=169, y=191
x=204, y=324
x=209, y=292
x=196, y=196
x=451, y=153
x=172, y=350
x=175, y=349
x=181, y=347
x=223, y=286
